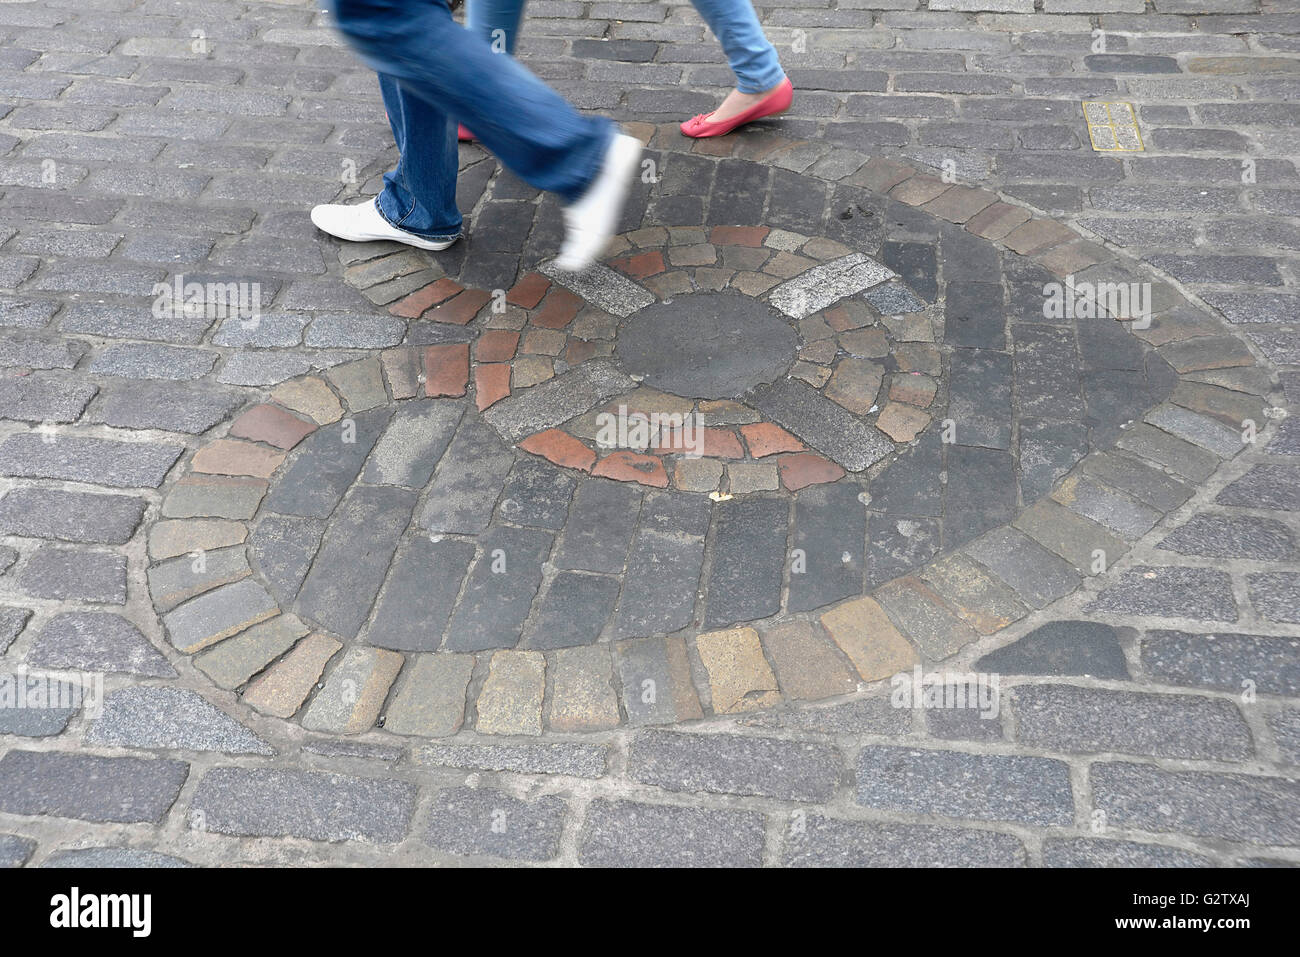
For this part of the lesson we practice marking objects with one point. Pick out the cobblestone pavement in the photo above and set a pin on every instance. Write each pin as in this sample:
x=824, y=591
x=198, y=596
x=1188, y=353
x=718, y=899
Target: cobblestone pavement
x=368, y=581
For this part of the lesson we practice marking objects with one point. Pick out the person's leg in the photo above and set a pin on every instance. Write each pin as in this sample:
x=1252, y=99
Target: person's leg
x=496, y=21
x=532, y=130
x=750, y=54
x=530, y=127
x=419, y=196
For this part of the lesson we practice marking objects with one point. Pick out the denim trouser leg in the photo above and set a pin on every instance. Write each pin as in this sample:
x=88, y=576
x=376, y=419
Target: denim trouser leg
x=752, y=58
x=420, y=195
x=484, y=17
x=536, y=134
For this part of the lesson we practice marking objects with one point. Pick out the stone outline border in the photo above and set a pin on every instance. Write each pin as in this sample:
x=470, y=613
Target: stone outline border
x=930, y=613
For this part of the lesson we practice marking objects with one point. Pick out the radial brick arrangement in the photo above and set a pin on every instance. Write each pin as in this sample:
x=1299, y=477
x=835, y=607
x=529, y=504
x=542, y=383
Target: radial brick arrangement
x=848, y=443
x=642, y=557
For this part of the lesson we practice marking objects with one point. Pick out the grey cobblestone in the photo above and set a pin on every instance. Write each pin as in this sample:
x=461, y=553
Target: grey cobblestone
x=628, y=834
x=263, y=802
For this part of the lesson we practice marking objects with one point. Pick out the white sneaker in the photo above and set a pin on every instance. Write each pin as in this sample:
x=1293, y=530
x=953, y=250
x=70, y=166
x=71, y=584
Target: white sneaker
x=363, y=223
x=590, y=220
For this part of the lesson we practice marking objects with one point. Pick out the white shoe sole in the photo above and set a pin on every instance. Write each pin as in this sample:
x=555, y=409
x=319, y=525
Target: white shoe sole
x=586, y=238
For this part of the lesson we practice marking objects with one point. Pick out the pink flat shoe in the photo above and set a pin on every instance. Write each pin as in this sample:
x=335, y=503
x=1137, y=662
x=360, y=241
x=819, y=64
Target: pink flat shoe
x=776, y=102
x=464, y=135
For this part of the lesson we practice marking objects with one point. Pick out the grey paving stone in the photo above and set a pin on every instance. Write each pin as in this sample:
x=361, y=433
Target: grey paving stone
x=630, y=834
x=748, y=561
x=911, y=485
x=1197, y=429
x=180, y=579
x=137, y=361
x=1123, y=515
x=871, y=716
x=1252, y=809
x=12, y=622
x=1140, y=481
x=89, y=788
x=500, y=589
x=74, y=574
x=282, y=549
x=1201, y=593
x=1265, y=486
x=325, y=464
x=1232, y=536
x=44, y=397
x=557, y=400
x=573, y=610
x=192, y=408
x=29, y=705
x=1090, y=720
x=419, y=594
x=266, y=802
x=113, y=321
x=1092, y=852
x=26, y=313
x=1029, y=790
x=232, y=662
x=537, y=494
x=488, y=822
x=410, y=447
x=979, y=386
x=1285, y=726
x=170, y=718
x=980, y=492
x=600, y=526
x=339, y=590
x=94, y=461
x=218, y=614
x=33, y=351
x=830, y=527
x=1035, y=574
x=7, y=557
x=1188, y=460
x=734, y=764
x=1275, y=595
x=97, y=641
x=114, y=858
x=714, y=345
x=1223, y=660
x=568, y=759
x=1061, y=648
x=816, y=841
x=14, y=850
x=827, y=427
x=893, y=299
x=603, y=288
x=468, y=481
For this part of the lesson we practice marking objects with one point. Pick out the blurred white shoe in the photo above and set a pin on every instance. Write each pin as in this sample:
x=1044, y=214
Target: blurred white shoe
x=589, y=221
x=363, y=223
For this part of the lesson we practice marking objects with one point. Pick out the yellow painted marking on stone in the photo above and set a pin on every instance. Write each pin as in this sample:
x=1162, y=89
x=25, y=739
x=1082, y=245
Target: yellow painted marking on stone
x=1112, y=127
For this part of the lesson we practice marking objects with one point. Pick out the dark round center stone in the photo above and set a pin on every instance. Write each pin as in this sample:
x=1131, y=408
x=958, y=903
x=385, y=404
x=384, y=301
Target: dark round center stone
x=708, y=345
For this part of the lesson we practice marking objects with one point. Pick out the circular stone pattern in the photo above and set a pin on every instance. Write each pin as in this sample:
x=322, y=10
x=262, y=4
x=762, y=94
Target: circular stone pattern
x=709, y=345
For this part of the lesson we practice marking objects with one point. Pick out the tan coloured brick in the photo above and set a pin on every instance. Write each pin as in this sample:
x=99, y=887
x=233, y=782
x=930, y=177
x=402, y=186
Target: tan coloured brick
x=866, y=635
x=282, y=690
x=739, y=676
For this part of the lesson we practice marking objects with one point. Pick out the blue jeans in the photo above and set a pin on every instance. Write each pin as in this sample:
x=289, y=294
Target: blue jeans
x=749, y=53
x=751, y=56
x=434, y=73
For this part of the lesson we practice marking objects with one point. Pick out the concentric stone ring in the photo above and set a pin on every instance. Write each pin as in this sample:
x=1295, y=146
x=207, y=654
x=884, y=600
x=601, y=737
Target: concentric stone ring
x=496, y=523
